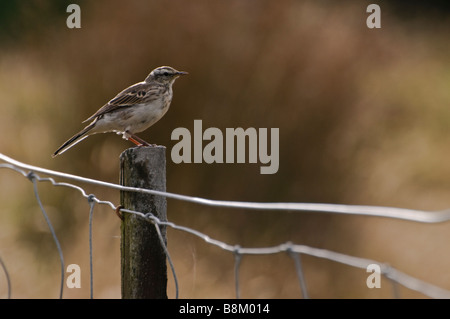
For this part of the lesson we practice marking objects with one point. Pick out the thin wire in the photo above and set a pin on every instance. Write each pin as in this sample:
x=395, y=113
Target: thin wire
x=91, y=213
x=390, y=275
x=237, y=264
x=32, y=178
x=166, y=251
x=299, y=270
x=54, y=183
x=379, y=211
x=8, y=280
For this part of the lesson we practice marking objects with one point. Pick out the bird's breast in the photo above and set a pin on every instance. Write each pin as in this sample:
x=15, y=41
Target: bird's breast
x=134, y=119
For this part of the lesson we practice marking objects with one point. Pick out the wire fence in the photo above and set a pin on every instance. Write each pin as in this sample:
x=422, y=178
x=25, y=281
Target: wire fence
x=294, y=251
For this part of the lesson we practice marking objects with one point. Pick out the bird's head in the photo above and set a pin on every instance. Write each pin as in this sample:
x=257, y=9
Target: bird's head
x=164, y=74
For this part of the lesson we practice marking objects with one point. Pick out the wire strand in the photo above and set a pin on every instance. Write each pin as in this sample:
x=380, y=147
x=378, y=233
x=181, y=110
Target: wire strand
x=166, y=251
x=32, y=178
x=91, y=202
x=8, y=279
x=379, y=211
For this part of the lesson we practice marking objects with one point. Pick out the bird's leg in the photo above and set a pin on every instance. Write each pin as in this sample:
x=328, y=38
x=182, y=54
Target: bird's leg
x=140, y=140
x=133, y=138
x=134, y=141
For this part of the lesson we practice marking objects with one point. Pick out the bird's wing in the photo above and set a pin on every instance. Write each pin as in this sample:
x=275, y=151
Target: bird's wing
x=136, y=94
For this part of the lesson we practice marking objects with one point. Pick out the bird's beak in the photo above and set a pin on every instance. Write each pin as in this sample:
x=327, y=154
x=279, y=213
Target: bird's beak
x=182, y=73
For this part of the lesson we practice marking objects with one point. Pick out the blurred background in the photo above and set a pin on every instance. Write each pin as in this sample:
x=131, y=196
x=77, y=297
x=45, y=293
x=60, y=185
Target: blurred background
x=363, y=115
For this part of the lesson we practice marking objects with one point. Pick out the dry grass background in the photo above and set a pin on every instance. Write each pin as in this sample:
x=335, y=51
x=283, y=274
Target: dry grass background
x=363, y=117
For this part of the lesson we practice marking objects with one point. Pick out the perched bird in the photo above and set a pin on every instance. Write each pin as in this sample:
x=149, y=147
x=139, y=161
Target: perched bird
x=133, y=110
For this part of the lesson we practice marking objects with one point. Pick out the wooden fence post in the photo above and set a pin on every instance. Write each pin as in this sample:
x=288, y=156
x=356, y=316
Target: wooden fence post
x=143, y=261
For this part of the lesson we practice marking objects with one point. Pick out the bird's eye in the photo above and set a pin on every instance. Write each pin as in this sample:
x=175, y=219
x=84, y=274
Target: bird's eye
x=166, y=73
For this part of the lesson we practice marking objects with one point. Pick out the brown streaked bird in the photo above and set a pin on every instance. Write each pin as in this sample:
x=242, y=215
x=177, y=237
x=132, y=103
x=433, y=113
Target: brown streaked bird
x=133, y=110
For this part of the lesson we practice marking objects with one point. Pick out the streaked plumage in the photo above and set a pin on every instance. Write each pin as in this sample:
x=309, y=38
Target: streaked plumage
x=131, y=111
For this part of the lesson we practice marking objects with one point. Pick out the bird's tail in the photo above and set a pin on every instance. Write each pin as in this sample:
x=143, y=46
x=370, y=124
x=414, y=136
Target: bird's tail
x=77, y=138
